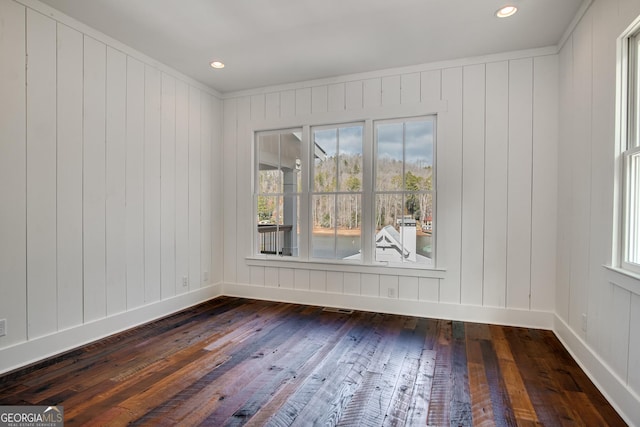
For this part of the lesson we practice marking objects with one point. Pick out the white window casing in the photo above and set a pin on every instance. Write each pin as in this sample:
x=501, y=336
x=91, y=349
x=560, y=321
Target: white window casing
x=304, y=128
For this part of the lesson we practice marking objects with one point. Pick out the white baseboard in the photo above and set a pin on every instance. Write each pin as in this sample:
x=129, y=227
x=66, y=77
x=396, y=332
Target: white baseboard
x=28, y=352
x=619, y=395
x=467, y=313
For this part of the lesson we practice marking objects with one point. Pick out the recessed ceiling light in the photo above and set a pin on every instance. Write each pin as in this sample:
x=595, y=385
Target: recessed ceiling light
x=506, y=11
x=217, y=64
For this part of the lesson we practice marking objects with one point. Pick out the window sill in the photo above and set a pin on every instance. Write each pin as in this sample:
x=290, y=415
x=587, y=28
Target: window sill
x=347, y=267
x=623, y=278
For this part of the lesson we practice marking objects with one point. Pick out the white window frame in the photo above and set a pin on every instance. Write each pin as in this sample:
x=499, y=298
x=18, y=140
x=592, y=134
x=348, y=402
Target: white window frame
x=627, y=218
x=376, y=191
x=367, y=261
x=282, y=194
x=312, y=192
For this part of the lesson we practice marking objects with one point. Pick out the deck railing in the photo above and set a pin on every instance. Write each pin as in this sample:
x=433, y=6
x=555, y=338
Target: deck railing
x=274, y=239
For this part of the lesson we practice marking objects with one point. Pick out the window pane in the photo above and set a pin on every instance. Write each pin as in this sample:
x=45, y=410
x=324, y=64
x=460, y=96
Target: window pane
x=267, y=209
x=418, y=155
x=348, y=212
x=269, y=173
x=290, y=224
x=388, y=208
x=425, y=213
x=424, y=233
x=633, y=210
x=325, y=160
x=279, y=162
x=269, y=181
x=337, y=217
x=404, y=191
x=338, y=159
x=277, y=202
x=323, y=235
x=396, y=239
x=389, y=161
x=350, y=158
x=348, y=233
x=290, y=162
x=337, y=226
x=269, y=241
x=401, y=238
x=278, y=224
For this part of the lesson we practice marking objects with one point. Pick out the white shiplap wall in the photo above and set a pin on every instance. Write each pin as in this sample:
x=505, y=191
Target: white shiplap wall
x=608, y=345
x=497, y=195
x=110, y=182
x=111, y=172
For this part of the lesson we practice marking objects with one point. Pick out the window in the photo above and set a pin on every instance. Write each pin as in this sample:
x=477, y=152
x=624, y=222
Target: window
x=631, y=162
x=404, y=191
x=360, y=192
x=279, y=163
x=336, y=198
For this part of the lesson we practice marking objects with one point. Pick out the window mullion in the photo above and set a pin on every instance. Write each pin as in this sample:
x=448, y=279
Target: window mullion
x=305, y=199
x=368, y=195
x=336, y=197
x=404, y=188
x=634, y=109
x=632, y=94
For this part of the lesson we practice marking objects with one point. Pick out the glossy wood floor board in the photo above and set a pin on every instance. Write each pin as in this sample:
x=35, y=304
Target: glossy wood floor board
x=234, y=362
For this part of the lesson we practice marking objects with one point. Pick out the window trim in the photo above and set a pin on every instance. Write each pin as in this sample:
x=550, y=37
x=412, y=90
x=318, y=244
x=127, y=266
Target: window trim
x=255, y=178
x=627, y=141
x=311, y=190
x=374, y=177
x=368, y=115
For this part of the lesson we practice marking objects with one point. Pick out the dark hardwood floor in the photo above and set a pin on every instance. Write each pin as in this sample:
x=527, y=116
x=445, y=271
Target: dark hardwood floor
x=235, y=361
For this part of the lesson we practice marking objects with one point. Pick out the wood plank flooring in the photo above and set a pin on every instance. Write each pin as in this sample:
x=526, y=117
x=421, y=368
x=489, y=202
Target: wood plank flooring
x=234, y=361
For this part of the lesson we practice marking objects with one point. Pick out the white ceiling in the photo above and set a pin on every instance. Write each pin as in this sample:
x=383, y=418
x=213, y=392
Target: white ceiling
x=268, y=42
